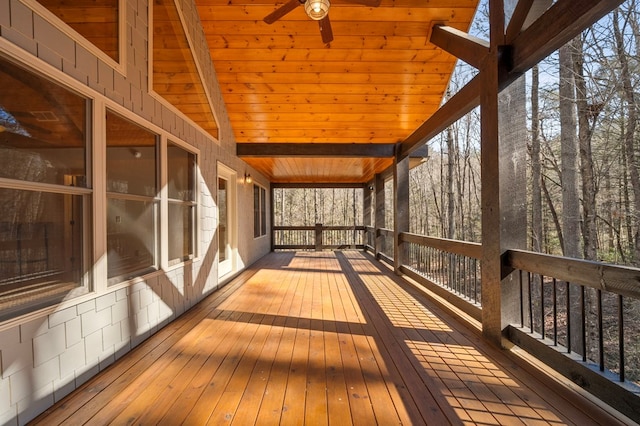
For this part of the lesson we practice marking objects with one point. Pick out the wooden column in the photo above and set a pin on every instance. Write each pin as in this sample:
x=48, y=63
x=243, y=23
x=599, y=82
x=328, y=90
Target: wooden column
x=366, y=210
x=513, y=189
x=490, y=166
x=379, y=215
x=272, y=216
x=401, y=209
x=504, y=218
x=318, y=240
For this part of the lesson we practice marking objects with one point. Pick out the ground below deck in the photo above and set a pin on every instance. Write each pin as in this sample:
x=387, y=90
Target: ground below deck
x=319, y=338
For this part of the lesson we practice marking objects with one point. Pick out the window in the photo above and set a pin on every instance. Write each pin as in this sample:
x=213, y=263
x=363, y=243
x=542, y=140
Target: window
x=96, y=20
x=259, y=211
x=44, y=195
x=181, y=169
x=132, y=199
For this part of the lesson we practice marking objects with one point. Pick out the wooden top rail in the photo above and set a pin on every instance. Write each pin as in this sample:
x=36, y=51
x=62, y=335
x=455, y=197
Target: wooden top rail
x=463, y=248
x=622, y=280
x=385, y=231
x=294, y=228
x=324, y=228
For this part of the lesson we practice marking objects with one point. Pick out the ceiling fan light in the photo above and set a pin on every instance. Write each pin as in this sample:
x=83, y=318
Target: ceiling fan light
x=316, y=9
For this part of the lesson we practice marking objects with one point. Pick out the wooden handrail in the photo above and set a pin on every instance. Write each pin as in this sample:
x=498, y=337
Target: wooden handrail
x=463, y=248
x=317, y=241
x=622, y=280
x=324, y=228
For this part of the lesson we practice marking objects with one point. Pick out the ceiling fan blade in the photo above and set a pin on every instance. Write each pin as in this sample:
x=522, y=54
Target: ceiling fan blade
x=281, y=11
x=325, y=30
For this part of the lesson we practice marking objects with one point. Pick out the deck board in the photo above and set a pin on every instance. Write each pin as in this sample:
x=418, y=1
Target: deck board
x=319, y=338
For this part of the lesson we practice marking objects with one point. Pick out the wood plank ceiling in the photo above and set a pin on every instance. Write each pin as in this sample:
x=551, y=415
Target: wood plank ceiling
x=376, y=82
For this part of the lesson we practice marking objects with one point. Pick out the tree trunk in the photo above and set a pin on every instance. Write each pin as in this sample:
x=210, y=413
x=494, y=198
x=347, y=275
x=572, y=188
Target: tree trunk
x=451, y=227
x=629, y=135
x=569, y=156
x=536, y=174
x=570, y=199
x=585, y=132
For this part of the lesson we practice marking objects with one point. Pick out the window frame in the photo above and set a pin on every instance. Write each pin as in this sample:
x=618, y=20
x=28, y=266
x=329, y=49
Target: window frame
x=85, y=283
x=259, y=212
x=121, y=64
x=166, y=200
x=154, y=200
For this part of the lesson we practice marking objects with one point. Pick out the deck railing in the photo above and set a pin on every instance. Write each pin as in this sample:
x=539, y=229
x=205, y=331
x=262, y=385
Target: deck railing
x=580, y=308
x=318, y=237
x=453, y=265
x=606, y=295
x=385, y=244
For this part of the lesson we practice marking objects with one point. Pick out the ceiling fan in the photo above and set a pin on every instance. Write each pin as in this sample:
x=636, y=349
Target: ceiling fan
x=318, y=10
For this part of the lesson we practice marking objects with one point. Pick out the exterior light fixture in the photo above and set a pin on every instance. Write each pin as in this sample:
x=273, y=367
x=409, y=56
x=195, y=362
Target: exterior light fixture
x=247, y=178
x=316, y=9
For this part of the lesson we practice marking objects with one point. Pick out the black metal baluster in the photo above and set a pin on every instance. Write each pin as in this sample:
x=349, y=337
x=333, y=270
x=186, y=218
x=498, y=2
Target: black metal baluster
x=584, y=324
x=568, y=294
x=555, y=312
x=621, y=335
x=542, y=328
x=530, y=301
x=521, y=300
x=600, y=332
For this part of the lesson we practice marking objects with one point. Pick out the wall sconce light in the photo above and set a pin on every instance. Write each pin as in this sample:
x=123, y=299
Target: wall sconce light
x=247, y=178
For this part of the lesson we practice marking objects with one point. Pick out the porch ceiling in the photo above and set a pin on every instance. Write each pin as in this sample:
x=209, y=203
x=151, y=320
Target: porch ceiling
x=375, y=83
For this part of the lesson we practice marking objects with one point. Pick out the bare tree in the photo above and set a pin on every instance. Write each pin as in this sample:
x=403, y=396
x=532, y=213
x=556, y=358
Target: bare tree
x=629, y=133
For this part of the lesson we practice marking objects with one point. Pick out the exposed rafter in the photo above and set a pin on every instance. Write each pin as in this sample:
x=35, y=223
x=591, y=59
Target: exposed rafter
x=461, y=103
x=556, y=26
x=470, y=49
x=559, y=24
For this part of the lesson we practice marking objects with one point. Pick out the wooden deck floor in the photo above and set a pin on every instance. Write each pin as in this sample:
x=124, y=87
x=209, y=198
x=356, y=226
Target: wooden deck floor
x=319, y=338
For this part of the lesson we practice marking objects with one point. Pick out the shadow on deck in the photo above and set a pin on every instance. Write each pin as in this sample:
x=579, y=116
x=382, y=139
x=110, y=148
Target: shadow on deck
x=318, y=338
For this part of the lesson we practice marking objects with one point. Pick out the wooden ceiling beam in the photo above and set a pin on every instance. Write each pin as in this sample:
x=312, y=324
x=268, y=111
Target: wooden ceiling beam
x=518, y=19
x=325, y=150
x=328, y=185
x=457, y=106
x=559, y=24
x=470, y=49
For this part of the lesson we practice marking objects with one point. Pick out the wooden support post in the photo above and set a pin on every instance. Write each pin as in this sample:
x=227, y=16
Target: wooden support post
x=379, y=215
x=366, y=210
x=319, y=243
x=401, y=209
x=490, y=166
x=272, y=215
x=504, y=219
x=512, y=117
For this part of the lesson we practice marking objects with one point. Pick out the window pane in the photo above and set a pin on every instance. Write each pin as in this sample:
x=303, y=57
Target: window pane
x=181, y=173
x=263, y=211
x=181, y=219
x=96, y=20
x=131, y=157
x=41, y=252
x=256, y=211
x=131, y=238
x=43, y=128
x=223, y=240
